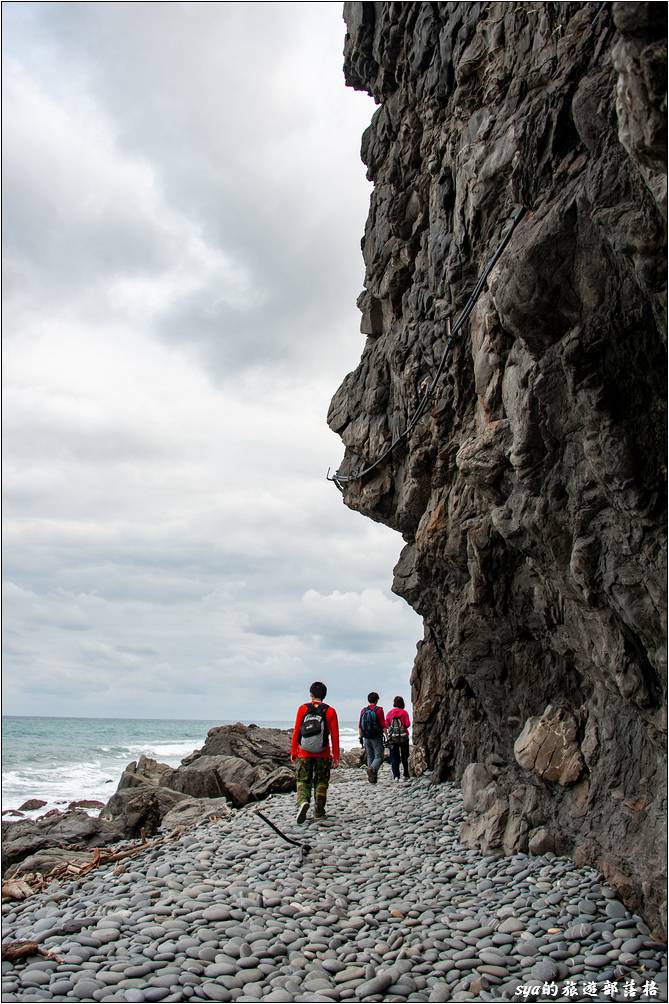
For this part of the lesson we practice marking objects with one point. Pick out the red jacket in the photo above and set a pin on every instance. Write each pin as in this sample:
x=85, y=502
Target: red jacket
x=332, y=748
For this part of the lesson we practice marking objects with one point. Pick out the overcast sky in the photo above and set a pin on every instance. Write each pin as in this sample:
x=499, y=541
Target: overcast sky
x=183, y=205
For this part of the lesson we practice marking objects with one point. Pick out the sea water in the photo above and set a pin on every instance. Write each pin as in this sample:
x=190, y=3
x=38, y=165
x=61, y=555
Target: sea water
x=59, y=760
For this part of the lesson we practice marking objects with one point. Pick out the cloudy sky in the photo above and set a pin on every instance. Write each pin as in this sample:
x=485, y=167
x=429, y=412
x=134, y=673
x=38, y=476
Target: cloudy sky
x=183, y=205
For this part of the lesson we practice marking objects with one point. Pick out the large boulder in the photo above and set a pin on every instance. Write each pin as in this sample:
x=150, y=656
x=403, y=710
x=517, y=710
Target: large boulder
x=143, y=771
x=42, y=862
x=251, y=743
x=74, y=830
x=281, y=779
x=548, y=746
x=191, y=811
x=353, y=758
x=140, y=810
x=237, y=764
x=215, y=776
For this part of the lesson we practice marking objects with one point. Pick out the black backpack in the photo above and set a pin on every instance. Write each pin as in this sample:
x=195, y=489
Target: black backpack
x=369, y=724
x=397, y=733
x=314, y=729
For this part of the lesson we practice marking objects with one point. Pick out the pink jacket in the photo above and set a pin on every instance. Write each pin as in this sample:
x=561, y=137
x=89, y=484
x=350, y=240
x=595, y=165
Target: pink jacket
x=398, y=713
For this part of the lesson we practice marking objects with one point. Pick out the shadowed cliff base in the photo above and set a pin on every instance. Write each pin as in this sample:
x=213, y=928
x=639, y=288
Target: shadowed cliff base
x=531, y=493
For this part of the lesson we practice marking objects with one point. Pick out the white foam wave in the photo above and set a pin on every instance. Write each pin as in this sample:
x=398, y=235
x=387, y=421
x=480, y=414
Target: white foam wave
x=158, y=750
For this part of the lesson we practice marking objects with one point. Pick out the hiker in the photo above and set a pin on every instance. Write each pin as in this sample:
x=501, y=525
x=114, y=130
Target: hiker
x=397, y=730
x=371, y=727
x=314, y=749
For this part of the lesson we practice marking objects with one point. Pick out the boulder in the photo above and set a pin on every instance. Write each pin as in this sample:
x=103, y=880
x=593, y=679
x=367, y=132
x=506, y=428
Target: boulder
x=191, y=811
x=32, y=803
x=254, y=745
x=280, y=779
x=215, y=776
x=84, y=803
x=541, y=841
x=143, y=771
x=353, y=758
x=417, y=761
x=45, y=861
x=548, y=746
x=474, y=780
x=140, y=809
x=74, y=830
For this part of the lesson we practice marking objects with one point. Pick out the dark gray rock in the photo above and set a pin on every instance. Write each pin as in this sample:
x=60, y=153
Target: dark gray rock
x=73, y=831
x=215, y=777
x=140, y=808
x=257, y=746
x=190, y=811
x=144, y=771
x=531, y=492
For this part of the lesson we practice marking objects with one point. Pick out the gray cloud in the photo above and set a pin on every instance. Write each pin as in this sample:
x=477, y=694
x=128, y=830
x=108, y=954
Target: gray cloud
x=238, y=113
x=184, y=202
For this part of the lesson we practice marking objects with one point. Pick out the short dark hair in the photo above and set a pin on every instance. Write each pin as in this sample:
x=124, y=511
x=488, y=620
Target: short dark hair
x=373, y=698
x=398, y=702
x=318, y=690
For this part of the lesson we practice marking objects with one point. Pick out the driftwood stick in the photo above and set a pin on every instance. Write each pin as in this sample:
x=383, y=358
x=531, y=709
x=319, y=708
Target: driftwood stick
x=14, y=950
x=21, y=888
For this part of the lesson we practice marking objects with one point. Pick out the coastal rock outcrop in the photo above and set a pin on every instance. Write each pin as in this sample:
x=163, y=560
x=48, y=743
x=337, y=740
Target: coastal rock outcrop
x=238, y=763
x=139, y=811
x=255, y=745
x=69, y=833
x=531, y=492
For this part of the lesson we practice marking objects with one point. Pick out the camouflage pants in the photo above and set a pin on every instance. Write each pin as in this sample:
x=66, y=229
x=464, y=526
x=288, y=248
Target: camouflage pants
x=313, y=772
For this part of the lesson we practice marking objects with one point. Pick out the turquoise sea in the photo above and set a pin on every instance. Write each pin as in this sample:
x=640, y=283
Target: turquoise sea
x=63, y=759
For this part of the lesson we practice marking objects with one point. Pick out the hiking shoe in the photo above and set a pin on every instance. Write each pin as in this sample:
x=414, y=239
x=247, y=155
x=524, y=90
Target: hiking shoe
x=302, y=812
x=320, y=815
x=371, y=777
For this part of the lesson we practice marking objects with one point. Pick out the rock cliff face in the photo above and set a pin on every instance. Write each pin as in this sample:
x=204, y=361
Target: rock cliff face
x=531, y=493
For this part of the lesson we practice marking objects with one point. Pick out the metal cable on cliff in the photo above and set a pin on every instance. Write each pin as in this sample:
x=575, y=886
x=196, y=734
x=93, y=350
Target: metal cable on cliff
x=341, y=479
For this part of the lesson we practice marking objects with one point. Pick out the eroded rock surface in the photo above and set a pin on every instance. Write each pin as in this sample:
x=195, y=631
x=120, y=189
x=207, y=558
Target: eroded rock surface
x=531, y=494
x=29, y=843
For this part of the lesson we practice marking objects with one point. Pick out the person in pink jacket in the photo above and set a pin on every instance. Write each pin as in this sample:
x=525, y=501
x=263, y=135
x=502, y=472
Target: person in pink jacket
x=397, y=730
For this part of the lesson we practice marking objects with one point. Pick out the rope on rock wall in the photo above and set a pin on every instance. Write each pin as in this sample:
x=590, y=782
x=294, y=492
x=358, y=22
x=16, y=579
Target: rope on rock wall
x=340, y=479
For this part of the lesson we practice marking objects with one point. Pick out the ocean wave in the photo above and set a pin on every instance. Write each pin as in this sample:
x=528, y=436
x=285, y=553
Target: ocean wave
x=157, y=750
x=61, y=772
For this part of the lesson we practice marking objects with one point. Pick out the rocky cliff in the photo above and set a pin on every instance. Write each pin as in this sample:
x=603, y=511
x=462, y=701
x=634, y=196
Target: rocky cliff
x=531, y=492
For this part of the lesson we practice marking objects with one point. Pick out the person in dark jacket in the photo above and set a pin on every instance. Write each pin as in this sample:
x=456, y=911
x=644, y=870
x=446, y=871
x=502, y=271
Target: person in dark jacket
x=371, y=728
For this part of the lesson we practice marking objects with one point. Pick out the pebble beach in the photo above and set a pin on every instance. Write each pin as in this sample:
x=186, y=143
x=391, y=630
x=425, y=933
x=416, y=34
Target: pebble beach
x=387, y=905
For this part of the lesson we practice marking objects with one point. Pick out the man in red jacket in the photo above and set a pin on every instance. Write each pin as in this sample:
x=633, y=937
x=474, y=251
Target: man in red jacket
x=315, y=748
